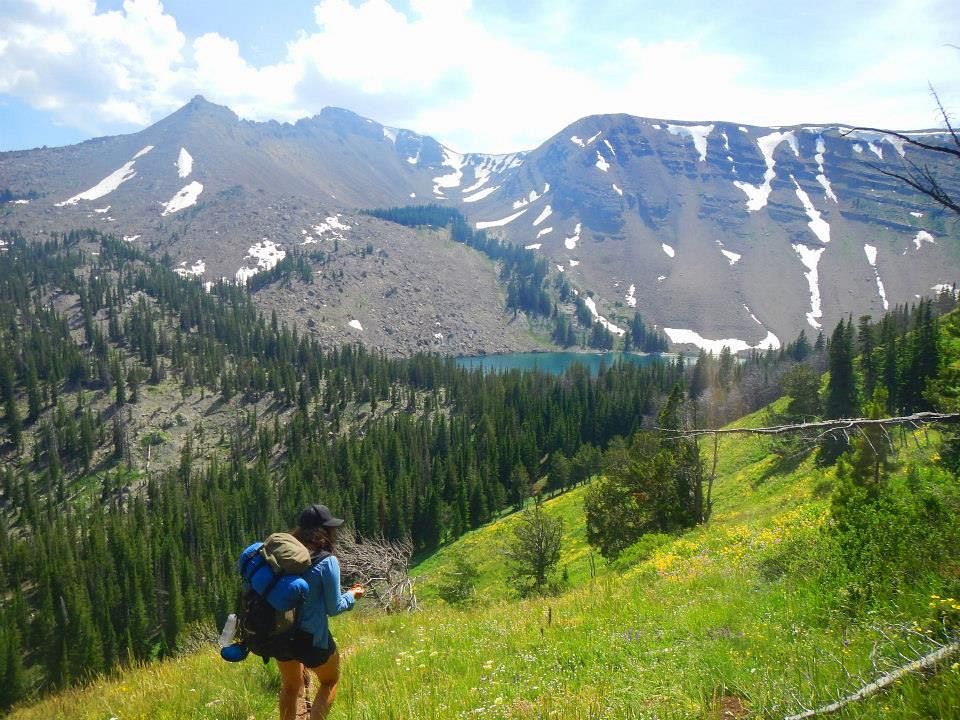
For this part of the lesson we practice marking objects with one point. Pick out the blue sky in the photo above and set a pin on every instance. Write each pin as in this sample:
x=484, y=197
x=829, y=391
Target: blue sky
x=483, y=76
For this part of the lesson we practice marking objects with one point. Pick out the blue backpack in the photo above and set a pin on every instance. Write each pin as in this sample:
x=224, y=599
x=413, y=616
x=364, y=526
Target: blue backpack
x=271, y=593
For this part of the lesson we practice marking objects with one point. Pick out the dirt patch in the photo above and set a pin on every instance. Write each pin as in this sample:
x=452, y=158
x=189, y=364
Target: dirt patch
x=729, y=707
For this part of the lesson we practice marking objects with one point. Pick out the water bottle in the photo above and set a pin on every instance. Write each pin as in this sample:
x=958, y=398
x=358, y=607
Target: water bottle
x=229, y=630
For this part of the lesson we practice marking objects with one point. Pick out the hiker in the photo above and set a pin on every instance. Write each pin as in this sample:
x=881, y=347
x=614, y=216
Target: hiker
x=313, y=646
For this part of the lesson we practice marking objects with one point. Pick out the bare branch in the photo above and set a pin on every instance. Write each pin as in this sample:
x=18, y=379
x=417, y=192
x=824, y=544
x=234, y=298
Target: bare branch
x=829, y=426
x=927, y=662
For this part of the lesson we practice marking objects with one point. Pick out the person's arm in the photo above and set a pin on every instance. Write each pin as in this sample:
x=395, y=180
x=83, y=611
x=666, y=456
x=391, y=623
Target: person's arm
x=336, y=601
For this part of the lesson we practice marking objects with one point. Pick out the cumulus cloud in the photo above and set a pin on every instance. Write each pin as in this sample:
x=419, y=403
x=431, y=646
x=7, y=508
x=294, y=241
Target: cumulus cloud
x=443, y=68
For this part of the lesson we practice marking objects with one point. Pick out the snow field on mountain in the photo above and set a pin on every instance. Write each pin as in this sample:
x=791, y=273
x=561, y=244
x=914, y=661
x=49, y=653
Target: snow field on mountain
x=871, y=253
x=571, y=242
x=184, y=163
x=544, y=214
x=691, y=337
x=668, y=250
x=757, y=195
x=922, y=237
x=106, y=186
x=356, y=325
x=731, y=256
x=819, y=226
x=195, y=270
x=184, y=198
x=592, y=307
x=455, y=162
x=499, y=223
x=266, y=254
x=810, y=257
x=481, y=194
x=697, y=133
x=532, y=196
x=544, y=231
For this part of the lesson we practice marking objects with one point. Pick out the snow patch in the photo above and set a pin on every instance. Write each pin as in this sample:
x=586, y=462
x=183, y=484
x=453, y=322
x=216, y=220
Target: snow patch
x=574, y=263
x=184, y=163
x=733, y=257
x=482, y=194
x=577, y=141
x=454, y=161
x=143, y=151
x=617, y=190
x=499, y=223
x=544, y=214
x=355, y=324
x=532, y=196
x=857, y=148
x=186, y=197
x=544, y=231
x=266, y=254
x=571, y=242
x=602, y=162
x=697, y=133
x=921, y=237
x=913, y=212
x=757, y=195
x=130, y=238
x=668, y=250
x=413, y=195
x=681, y=336
x=630, y=297
x=390, y=134
x=810, y=257
x=195, y=270
x=942, y=288
x=534, y=246
x=871, y=252
x=102, y=210
x=594, y=136
x=21, y=202
x=332, y=225
x=561, y=268
x=609, y=147
x=819, y=226
x=592, y=307
x=106, y=186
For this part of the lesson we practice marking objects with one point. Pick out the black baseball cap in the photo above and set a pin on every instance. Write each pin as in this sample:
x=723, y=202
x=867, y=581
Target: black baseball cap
x=318, y=516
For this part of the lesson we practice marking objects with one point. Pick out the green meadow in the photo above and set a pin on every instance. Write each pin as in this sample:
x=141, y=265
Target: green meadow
x=738, y=618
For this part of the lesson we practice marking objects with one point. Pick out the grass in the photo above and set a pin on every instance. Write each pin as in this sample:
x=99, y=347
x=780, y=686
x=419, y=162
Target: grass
x=735, y=608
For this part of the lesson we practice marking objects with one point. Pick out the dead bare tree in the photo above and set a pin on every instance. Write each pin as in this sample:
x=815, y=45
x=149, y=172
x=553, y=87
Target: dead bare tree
x=382, y=567
x=919, y=175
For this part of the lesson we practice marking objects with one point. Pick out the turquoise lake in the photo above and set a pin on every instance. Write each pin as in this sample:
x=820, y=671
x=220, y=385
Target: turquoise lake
x=553, y=362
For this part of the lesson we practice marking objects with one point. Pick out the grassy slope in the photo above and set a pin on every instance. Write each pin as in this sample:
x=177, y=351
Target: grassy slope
x=717, y=610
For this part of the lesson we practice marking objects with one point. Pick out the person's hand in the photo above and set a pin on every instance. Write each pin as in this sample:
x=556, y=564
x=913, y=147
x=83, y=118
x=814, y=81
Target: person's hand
x=358, y=591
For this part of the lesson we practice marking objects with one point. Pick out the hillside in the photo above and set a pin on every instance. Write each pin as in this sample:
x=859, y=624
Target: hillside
x=740, y=613
x=711, y=230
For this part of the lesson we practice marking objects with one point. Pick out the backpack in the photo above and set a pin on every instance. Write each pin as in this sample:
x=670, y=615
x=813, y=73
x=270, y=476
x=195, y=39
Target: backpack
x=268, y=623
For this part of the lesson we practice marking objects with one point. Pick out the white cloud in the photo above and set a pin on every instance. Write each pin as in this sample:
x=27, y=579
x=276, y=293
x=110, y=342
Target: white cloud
x=445, y=69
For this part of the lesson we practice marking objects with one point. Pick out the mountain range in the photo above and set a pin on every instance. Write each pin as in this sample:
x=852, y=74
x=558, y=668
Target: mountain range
x=716, y=232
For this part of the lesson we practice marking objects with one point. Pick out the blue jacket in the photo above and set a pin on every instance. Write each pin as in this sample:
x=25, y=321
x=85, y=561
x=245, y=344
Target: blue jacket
x=323, y=599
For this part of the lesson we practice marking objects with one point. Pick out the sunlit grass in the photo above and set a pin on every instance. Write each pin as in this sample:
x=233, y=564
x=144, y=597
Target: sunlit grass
x=731, y=608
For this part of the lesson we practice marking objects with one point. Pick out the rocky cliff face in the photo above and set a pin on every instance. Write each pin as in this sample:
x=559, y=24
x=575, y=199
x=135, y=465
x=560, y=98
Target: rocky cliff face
x=711, y=230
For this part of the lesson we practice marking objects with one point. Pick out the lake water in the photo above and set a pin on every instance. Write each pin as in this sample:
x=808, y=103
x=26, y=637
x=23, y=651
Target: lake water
x=553, y=362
